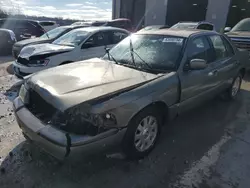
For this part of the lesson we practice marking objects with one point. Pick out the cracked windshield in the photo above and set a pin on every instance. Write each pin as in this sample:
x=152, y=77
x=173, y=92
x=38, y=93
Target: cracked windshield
x=124, y=93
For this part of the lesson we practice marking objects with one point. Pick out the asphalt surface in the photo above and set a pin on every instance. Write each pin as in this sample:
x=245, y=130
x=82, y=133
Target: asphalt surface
x=208, y=147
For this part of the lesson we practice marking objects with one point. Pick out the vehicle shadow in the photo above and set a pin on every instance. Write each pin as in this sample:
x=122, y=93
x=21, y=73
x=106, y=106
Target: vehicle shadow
x=183, y=141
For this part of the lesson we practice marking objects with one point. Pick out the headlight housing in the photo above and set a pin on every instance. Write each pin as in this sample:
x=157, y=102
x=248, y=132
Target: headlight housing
x=38, y=63
x=78, y=120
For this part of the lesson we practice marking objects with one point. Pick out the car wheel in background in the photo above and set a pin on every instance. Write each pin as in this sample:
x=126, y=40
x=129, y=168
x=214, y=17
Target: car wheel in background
x=142, y=133
x=234, y=90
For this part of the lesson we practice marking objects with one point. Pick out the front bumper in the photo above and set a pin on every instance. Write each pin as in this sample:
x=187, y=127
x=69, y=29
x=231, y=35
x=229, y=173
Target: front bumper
x=60, y=144
x=21, y=70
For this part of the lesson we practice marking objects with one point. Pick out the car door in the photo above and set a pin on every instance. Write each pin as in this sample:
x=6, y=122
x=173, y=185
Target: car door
x=94, y=46
x=197, y=85
x=226, y=62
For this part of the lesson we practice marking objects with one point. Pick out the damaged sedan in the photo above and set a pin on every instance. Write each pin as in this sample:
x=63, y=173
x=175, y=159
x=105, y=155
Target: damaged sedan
x=76, y=45
x=126, y=97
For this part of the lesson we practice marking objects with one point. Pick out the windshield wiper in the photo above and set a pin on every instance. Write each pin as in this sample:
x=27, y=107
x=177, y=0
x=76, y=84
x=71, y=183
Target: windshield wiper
x=133, y=58
x=47, y=34
x=149, y=66
x=109, y=55
x=131, y=51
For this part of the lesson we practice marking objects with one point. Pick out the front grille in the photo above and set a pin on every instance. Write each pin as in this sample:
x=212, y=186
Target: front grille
x=241, y=43
x=22, y=61
x=40, y=108
x=48, y=114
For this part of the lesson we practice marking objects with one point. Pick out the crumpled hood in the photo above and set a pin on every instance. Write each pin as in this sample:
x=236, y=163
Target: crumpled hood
x=238, y=34
x=68, y=85
x=40, y=49
x=31, y=42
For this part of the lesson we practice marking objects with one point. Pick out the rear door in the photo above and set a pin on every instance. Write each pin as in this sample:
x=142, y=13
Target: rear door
x=226, y=62
x=197, y=85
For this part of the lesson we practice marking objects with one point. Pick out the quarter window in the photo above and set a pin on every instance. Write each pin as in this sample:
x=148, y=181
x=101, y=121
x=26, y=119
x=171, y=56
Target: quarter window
x=219, y=47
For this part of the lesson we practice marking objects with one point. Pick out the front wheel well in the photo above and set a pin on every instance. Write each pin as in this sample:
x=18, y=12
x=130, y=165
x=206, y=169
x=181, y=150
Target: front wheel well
x=243, y=72
x=161, y=108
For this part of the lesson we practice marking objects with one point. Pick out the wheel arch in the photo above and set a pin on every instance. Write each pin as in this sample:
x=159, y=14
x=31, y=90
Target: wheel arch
x=160, y=106
x=243, y=72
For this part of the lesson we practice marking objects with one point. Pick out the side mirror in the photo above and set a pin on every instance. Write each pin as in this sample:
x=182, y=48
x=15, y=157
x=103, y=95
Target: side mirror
x=197, y=64
x=87, y=45
x=227, y=29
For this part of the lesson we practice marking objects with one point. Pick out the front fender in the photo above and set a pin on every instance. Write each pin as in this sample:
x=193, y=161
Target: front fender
x=164, y=89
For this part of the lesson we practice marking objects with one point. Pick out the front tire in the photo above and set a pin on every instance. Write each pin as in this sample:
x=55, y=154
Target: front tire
x=142, y=133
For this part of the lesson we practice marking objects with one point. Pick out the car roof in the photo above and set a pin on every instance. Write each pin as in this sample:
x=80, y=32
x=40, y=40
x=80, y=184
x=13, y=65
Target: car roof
x=73, y=26
x=194, y=23
x=100, y=28
x=15, y=19
x=47, y=21
x=177, y=32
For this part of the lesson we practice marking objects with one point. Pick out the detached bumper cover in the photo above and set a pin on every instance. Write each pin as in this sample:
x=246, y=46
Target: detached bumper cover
x=61, y=144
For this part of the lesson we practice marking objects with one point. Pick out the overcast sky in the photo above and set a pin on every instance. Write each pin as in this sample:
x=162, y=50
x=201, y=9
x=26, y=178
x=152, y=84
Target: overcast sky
x=76, y=9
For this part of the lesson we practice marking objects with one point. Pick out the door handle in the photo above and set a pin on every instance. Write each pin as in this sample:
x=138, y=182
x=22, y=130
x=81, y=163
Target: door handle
x=213, y=73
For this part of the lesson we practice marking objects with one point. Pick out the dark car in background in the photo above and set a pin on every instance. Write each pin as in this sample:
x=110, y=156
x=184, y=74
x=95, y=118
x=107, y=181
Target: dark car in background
x=7, y=39
x=48, y=37
x=122, y=23
x=23, y=29
x=240, y=34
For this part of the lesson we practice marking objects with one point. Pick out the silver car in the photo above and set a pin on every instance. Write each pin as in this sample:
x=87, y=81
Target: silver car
x=126, y=97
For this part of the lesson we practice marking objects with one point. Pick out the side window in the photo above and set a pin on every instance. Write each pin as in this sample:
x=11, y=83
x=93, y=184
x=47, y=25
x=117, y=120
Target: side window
x=199, y=49
x=219, y=47
x=97, y=39
x=205, y=27
x=47, y=23
x=118, y=36
x=230, y=50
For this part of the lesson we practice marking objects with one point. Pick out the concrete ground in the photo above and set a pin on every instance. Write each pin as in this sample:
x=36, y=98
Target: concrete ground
x=208, y=147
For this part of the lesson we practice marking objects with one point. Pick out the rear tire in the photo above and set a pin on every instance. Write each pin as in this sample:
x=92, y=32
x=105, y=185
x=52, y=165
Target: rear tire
x=142, y=133
x=234, y=89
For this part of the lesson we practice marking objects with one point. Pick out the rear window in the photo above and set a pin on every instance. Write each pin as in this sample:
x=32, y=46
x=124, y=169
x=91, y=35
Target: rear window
x=47, y=23
x=184, y=26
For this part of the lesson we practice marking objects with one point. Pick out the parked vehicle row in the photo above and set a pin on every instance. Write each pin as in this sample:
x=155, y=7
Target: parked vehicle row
x=76, y=45
x=48, y=37
x=125, y=97
x=23, y=29
x=122, y=23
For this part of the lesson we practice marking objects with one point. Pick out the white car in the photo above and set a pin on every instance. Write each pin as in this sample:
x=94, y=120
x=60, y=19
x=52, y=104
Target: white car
x=76, y=45
x=48, y=25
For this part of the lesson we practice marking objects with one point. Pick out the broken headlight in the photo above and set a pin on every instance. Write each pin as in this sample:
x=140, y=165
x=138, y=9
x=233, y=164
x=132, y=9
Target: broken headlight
x=80, y=122
x=38, y=63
